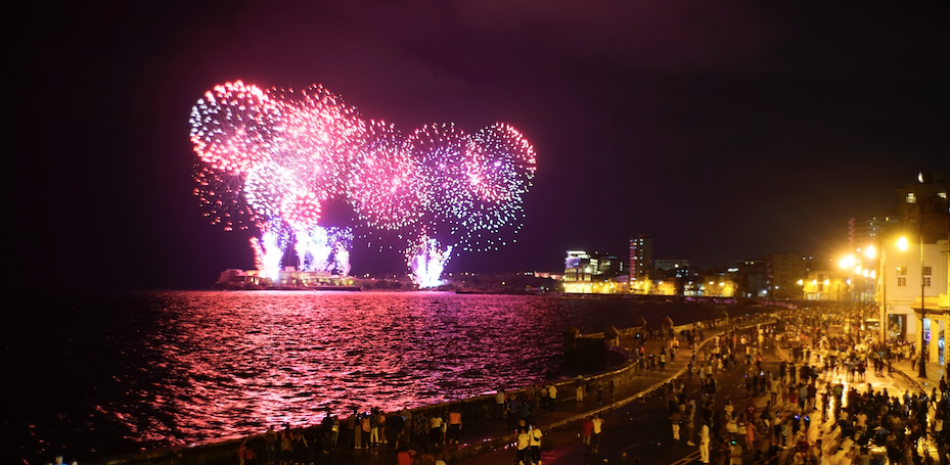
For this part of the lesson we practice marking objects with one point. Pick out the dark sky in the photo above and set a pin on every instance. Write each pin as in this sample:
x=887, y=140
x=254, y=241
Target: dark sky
x=727, y=130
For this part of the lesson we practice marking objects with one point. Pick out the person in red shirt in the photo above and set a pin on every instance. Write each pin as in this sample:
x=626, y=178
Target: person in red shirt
x=587, y=429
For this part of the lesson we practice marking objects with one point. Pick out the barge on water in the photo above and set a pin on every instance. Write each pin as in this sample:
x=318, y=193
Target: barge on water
x=288, y=279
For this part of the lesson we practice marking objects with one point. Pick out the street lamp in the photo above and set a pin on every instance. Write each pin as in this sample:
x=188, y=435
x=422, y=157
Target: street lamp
x=922, y=370
x=848, y=263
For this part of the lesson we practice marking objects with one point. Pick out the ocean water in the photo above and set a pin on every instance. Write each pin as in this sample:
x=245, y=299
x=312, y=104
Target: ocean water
x=97, y=375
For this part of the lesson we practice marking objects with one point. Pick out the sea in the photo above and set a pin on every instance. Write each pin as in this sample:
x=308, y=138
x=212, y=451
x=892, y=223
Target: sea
x=95, y=375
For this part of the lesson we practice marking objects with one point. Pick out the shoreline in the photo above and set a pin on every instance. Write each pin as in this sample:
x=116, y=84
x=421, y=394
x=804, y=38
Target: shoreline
x=223, y=449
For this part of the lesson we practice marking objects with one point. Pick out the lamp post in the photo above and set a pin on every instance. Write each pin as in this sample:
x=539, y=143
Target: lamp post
x=882, y=321
x=871, y=253
x=922, y=365
x=848, y=263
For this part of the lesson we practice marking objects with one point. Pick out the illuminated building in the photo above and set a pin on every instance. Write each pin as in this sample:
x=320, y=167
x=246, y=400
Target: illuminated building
x=577, y=266
x=913, y=289
x=864, y=230
x=783, y=273
x=641, y=263
x=715, y=284
x=826, y=285
x=592, y=273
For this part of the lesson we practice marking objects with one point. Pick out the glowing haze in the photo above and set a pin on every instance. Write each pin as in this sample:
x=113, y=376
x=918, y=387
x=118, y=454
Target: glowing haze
x=273, y=158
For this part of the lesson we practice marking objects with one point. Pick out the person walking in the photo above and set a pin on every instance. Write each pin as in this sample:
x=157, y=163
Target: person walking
x=524, y=442
x=704, y=443
x=435, y=429
x=455, y=425
x=552, y=397
x=690, y=426
x=587, y=430
x=535, y=443
x=598, y=429
x=501, y=402
x=675, y=419
x=270, y=444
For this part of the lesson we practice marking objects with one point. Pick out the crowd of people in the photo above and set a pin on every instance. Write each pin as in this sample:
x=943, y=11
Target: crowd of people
x=816, y=408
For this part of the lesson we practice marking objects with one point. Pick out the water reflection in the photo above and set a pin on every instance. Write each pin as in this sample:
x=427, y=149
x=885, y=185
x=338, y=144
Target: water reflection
x=166, y=368
x=237, y=360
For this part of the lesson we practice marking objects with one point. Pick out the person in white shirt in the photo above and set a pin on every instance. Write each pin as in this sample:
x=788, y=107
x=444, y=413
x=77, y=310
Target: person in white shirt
x=704, y=443
x=861, y=420
x=598, y=428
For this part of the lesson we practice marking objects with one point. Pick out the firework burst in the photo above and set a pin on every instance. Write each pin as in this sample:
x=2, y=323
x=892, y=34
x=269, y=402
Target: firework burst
x=274, y=159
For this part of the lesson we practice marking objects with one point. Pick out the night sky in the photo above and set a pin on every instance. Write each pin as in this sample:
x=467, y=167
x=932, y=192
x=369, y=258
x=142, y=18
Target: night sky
x=727, y=130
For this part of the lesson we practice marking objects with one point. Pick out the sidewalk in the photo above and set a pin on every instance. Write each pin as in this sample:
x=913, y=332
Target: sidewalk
x=934, y=372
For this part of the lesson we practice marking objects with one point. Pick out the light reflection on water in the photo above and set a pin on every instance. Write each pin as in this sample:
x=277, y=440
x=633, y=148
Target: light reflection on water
x=245, y=358
x=165, y=368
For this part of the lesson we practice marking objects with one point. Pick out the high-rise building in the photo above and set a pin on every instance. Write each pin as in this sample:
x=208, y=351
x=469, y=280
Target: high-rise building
x=867, y=230
x=641, y=257
x=784, y=273
x=751, y=278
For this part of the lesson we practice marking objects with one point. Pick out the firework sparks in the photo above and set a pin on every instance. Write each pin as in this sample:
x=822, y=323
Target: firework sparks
x=273, y=159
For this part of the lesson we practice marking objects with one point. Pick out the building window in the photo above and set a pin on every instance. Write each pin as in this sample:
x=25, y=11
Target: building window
x=926, y=281
x=902, y=281
x=927, y=271
x=902, y=271
x=911, y=198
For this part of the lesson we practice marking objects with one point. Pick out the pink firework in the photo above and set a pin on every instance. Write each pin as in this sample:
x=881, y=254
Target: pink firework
x=499, y=171
x=274, y=158
x=231, y=127
x=383, y=188
x=221, y=195
x=319, y=134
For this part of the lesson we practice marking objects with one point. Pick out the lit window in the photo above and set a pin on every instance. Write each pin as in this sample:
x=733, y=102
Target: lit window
x=902, y=271
x=911, y=198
